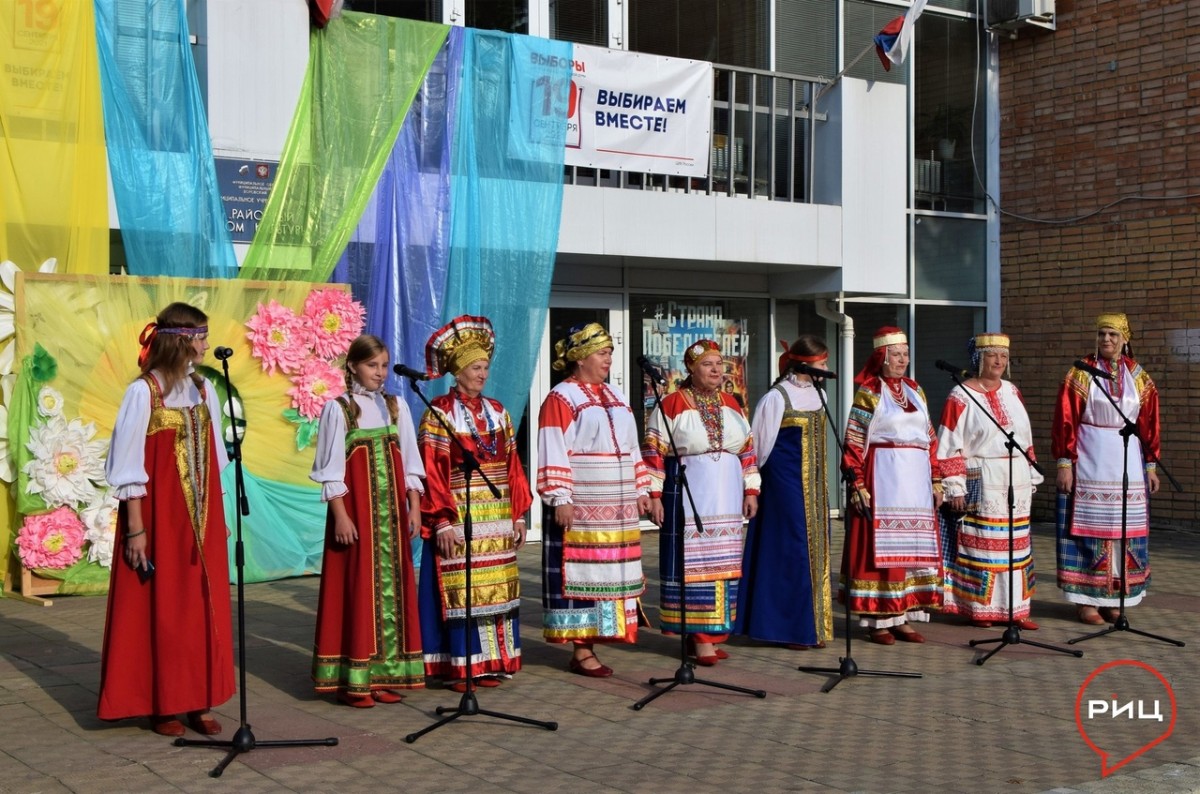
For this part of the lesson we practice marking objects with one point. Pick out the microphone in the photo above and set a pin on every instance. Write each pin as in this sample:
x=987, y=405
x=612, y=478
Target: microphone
x=222, y=353
x=1095, y=372
x=946, y=366
x=409, y=372
x=652, y=371
x=811, y=371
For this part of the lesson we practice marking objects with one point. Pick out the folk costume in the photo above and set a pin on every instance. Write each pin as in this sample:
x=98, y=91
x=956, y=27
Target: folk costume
x=785, y=595
x=368, y=635
x=168, y=641
x=589, y=457
x=714, y=441
x=891, y=568
x=1086, y=437
x=973, y=457
x=485, y=429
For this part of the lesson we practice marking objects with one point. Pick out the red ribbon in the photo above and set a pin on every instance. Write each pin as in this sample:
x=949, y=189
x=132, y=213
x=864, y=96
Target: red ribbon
x=146, y=338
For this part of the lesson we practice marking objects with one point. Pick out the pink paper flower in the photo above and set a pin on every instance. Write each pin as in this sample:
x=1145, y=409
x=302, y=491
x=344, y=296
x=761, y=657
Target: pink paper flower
x=51, y=540
x=334, y=319
x=279, y=338
x=317, y=383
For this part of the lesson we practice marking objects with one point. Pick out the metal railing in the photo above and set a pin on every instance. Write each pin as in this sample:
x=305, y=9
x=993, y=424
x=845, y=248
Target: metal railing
x=761, y=141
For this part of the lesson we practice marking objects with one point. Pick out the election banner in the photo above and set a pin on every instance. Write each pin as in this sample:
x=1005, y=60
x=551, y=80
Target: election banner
x=635, y=112
x=675, y=327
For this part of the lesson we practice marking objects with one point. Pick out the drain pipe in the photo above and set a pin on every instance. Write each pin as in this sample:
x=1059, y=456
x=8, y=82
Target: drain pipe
x=830, y=310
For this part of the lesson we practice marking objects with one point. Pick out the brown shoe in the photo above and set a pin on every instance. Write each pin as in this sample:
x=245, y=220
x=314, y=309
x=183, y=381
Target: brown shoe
x=882, y=637
x=1088, y=615
x=166, y=726
x=1110, y=614
x=907, y=636
x=203, y=723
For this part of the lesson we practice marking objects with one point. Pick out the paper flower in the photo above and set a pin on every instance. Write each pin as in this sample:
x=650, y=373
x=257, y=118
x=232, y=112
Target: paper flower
x=51, y=540
x=334, y=319
x=317, y=383
x=100, y=523
x=49, y=402
x=8, y=288
x=279, y=338
x=65, y=462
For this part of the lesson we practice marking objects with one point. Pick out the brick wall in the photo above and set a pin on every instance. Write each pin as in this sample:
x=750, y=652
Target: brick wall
x=1108, y=106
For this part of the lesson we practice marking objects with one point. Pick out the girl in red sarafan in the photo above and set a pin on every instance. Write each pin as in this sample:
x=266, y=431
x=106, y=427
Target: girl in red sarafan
x=168, y=640
x=368, y=630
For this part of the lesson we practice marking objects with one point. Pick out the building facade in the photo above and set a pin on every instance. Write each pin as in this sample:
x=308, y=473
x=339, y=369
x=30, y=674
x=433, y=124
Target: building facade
x=841, y=197
x=1100, y=213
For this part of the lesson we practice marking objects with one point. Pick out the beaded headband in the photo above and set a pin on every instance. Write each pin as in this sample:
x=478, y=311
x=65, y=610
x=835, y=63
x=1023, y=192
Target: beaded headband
x=699, y=350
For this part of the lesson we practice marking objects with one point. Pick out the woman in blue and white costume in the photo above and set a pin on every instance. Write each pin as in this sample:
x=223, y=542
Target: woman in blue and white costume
x=785, y=595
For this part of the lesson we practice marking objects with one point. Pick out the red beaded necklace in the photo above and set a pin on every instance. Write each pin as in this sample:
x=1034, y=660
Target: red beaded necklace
x=607, y=401
x=709, y=407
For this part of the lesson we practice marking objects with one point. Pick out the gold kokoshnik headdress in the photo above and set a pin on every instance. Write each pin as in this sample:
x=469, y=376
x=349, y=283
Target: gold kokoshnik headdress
x=458, y=344
x=581, y=341
x=1116, y=321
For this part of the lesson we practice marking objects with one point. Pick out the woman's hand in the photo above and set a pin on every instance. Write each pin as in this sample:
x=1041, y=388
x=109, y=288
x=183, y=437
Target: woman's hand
x=414, y=513
x=448, y=545
x=564, y=516
x=656, y=511
x=750, y=505
x=643, y=504
x=860, y=500
x=344, y=531
x=937, y=499
x=958, y=504
x=1064, y=481
x=135, y=549
x=1152, y=480
x=519, y=533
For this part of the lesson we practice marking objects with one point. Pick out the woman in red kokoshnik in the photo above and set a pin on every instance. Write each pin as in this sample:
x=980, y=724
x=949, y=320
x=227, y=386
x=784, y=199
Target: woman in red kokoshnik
x=463, y=348
x=168, y=640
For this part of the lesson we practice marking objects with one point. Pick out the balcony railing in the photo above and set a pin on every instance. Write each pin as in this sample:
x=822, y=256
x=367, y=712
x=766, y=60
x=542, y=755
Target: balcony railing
x=762, y=135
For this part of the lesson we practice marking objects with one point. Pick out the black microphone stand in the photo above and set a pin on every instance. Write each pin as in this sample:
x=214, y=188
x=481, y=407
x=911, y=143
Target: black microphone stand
x=468, y=704
x=243, y=739
x=1129, y=429
x=847, y=667
x=1012, y=633
x=686, y=673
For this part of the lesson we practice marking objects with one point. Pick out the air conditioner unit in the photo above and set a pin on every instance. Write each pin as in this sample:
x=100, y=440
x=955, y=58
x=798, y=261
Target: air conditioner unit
x=1014, y=14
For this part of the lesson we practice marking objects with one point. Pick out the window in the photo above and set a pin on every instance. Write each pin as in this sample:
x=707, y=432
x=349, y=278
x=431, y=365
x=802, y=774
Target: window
x=580, y=21
x=732, y=32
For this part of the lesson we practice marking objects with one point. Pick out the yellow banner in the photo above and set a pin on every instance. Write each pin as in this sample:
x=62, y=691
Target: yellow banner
x=53, y=187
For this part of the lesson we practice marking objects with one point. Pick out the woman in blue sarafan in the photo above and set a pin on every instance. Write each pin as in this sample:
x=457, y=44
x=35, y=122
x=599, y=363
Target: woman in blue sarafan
x=785, y=594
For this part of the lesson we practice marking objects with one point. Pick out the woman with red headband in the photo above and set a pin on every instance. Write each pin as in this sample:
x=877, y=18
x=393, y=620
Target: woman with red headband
x=168, y=639
x=785, y=595
x=714, y=443
x=891, y=567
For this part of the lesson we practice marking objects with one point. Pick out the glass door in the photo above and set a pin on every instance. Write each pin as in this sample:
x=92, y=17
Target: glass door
x=567, y=310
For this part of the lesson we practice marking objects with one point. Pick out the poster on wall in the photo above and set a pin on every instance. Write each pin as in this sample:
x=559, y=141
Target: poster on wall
x=635, y=112
x=676, y=326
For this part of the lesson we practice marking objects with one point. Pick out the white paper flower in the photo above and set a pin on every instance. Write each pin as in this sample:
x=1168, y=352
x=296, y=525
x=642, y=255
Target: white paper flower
x=100, y=518
x=8, y=308
x=65, y=462
x=7, y=472
x=49, y=402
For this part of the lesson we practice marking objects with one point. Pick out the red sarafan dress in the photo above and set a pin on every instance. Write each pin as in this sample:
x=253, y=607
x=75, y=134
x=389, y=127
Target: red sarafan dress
x=168, y=641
